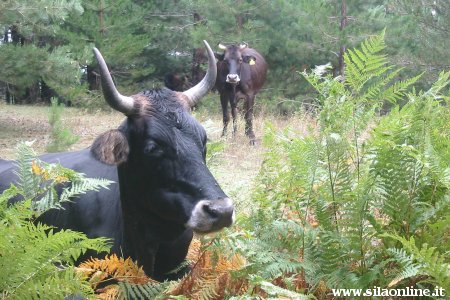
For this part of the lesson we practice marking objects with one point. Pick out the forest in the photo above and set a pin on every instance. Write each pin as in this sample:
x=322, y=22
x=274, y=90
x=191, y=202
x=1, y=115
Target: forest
x=344, y=195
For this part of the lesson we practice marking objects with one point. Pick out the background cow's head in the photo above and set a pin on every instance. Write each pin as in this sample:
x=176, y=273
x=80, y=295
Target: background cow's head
x=160, y=153
x=233, y=57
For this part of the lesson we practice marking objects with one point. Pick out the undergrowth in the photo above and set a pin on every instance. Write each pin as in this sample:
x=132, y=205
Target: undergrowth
x=364, y=200
x=36, y=261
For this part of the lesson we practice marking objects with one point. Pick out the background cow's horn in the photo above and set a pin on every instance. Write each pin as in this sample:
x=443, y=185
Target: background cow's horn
x=195, y=93
x=117, y=101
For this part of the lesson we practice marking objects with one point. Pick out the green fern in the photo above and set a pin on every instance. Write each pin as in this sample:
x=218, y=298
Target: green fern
x=36, y=261
x=364, y=64
x=325, y=201
x=27, y=182
x=39, y=180
x=421, y=261
x=143, y=291
x=276, y=291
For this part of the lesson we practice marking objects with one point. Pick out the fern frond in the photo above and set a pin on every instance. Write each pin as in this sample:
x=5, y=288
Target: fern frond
x=149, y=290
x=56, y=285
x=410, y=269
x=277, y=291
x=364, y=64
x=442, y=82
x=82, y=186
x=114, y=267
x=426, y=259
x=398, y=90
x=27, y=182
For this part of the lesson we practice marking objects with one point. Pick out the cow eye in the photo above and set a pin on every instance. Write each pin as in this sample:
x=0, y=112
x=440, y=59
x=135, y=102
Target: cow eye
x=240, y=60
x=152, y=149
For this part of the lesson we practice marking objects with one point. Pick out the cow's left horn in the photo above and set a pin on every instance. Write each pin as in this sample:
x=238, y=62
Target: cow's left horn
x=195, y=93
x=117, y=101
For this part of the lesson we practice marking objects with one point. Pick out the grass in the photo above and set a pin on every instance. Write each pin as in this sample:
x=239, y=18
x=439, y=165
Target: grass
x=30, y=123
x=235, y=166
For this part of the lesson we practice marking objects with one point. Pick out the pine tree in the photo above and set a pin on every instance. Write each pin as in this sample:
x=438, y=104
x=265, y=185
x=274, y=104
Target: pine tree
x=137, y=38
x=31, y=55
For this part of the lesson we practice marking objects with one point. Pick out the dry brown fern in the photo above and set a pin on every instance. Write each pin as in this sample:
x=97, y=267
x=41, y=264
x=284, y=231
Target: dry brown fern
x=210, y=277
x=116, y=268
x=110, y=292
x=112, y=269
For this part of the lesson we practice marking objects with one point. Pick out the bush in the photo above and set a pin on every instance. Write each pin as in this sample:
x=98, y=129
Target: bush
x=61, y=138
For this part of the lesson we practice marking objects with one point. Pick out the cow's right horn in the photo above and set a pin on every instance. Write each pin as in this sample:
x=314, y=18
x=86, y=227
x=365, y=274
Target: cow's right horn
x=195, y=93
x=117, y=101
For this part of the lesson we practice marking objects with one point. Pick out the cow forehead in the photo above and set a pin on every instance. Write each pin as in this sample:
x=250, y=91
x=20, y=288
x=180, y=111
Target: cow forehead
x=170, y=126
x=232, y=52
x=163, y=112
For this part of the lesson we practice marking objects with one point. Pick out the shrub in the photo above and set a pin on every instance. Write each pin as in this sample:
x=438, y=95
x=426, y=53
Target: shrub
x=61, y=138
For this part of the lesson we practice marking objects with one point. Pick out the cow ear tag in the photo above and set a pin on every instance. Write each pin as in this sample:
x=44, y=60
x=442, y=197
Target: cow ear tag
x=251, y=62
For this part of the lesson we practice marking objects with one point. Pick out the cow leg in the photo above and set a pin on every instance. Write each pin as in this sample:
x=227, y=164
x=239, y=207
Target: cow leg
x=249, y=103
x=233, y=103
x=226, y=114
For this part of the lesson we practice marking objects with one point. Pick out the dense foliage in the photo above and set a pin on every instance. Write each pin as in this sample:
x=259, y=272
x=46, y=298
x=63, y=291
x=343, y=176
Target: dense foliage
x=363, y=200
x=46, y=46
x=37, y=261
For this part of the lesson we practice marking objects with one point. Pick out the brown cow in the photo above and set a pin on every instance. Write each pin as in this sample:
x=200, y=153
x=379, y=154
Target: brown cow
x=241, y=72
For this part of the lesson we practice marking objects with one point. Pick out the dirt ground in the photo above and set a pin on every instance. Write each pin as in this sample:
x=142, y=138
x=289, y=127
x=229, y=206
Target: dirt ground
x=235, y=167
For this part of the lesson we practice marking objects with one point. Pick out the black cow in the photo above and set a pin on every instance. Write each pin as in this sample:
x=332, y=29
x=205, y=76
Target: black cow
x=241, y=72
x=164, y=193
x=177, y=82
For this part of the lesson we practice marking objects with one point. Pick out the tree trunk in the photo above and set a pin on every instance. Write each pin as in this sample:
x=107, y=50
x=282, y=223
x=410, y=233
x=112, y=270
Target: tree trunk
x=32, y=94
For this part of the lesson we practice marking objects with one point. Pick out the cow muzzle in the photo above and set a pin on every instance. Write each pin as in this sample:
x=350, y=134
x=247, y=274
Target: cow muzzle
x=211, y=215
x=233, y=78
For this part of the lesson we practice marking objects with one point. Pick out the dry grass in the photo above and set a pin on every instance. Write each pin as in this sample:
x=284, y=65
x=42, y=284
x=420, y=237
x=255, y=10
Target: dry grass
x=235, y=167
x=30, y=123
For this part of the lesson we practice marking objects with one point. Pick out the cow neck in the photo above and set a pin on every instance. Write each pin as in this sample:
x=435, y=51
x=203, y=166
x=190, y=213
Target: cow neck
x=138, y=238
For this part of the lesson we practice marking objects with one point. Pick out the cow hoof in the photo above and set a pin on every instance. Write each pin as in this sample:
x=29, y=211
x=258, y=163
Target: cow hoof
x=252, y=142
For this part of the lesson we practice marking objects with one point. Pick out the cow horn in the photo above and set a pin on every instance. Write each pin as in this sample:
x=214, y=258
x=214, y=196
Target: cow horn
x=117, y=101
x=222, y=47
x=195, y=93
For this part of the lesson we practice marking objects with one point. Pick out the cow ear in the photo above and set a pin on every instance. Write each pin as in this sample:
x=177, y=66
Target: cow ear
x=219, y=56
x=249, y=59
x=111, y=147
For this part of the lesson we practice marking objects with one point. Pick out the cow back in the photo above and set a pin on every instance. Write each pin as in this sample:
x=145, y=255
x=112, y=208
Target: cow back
x=256, y=73
x=98, y=214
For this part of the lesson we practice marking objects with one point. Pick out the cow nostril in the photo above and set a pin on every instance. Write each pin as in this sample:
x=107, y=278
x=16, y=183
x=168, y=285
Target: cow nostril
x=227, y=217
x=210, y=211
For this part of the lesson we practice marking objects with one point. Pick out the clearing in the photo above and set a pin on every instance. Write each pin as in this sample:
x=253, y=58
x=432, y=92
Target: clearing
x=235, y=166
